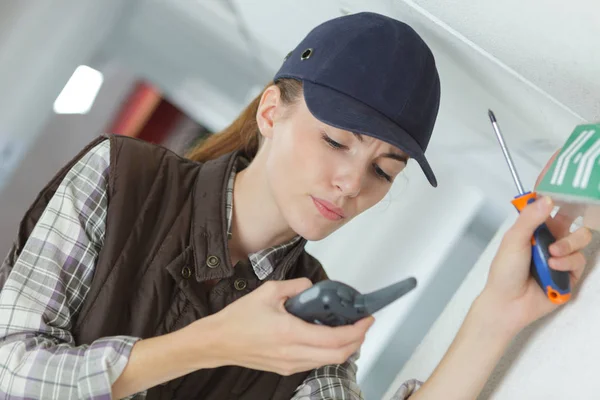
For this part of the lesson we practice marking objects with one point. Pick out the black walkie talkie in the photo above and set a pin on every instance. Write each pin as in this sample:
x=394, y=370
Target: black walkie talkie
x=334, y=303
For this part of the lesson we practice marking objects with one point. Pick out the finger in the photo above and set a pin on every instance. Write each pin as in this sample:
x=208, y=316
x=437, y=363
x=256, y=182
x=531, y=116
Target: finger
x=530, y=218
x=576, y=273
x=331, y=337
x=288, y=288
x=560, y=224
x=315, y=357
x=571, y=243
x=365, y=323
x=575, y=267
x=338, y=356
x=568, y=263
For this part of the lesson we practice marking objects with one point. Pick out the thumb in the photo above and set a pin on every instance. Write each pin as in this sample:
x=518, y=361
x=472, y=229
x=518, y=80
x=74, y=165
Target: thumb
x=530, y=218
x=292, y=287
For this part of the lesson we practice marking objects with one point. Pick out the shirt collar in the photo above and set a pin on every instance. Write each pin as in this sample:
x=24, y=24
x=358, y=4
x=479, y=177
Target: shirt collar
x=264, y=261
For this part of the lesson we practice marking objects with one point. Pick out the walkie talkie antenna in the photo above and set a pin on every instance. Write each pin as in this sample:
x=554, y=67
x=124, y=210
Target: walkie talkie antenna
x=378, y=299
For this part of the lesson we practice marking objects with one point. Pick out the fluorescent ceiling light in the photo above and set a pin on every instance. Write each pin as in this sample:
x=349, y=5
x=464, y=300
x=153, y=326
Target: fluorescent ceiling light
x=78, y=95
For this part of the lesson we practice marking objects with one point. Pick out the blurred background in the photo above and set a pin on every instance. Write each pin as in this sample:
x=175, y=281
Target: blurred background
x=173, y=71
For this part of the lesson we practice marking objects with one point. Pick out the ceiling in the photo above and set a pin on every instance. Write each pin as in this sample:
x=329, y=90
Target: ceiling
x=553, y=44
x=535, y=63
x=540, y=63
x=211, y=56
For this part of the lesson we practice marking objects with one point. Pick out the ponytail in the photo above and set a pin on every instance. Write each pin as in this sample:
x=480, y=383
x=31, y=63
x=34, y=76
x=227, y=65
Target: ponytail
x=243, y=134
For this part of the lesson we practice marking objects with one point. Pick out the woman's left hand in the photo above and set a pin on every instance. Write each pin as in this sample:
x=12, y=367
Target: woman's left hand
x=510, y=286
x=511, y=300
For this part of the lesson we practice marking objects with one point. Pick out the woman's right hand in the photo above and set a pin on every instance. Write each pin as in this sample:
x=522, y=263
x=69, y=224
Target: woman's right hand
x=257, y=332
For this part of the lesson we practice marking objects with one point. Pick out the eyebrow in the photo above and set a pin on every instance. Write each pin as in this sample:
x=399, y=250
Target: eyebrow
x=358, y=136
x=396, y=157
x=393, y=156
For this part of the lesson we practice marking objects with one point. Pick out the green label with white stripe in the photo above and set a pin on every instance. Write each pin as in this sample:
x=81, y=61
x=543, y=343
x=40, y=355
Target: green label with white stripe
x=575, y=173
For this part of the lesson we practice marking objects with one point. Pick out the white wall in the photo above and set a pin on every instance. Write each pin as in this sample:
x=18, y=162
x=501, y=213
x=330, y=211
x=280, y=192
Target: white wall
x=554, y=358
x=41, y=44
x=63, y=137
x=433, y=346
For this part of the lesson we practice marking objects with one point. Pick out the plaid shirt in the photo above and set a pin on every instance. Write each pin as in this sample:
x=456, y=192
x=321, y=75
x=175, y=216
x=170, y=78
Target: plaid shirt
x=49, y=282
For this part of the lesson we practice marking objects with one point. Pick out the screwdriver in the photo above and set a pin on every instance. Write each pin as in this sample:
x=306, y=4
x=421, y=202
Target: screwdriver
x=555, y=284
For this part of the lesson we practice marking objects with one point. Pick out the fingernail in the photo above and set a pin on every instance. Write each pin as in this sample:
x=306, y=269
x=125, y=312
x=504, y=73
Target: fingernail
x=544, y=203
x=556, y=248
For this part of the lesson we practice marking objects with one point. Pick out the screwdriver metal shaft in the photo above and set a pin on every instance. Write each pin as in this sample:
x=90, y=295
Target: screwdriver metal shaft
x=509, y=160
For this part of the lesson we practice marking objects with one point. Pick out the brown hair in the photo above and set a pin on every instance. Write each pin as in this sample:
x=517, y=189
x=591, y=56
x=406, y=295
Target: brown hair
x=243, y=133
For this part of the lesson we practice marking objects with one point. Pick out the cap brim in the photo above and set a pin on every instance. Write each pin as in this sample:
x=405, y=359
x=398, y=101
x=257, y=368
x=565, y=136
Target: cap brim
x=344, y=112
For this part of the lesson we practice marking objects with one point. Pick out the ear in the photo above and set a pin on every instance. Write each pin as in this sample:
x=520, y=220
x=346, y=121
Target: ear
x=265, y=115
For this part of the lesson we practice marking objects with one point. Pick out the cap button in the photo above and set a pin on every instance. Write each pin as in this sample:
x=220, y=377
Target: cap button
x=306, y=54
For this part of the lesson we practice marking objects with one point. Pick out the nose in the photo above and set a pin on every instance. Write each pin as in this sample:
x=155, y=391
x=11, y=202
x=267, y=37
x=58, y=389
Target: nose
x=350, y=183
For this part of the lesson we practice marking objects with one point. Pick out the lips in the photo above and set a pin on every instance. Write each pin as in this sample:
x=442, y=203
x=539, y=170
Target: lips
x=328, y=210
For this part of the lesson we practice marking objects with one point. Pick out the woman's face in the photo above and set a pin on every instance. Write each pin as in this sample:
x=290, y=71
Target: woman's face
x=321, y=177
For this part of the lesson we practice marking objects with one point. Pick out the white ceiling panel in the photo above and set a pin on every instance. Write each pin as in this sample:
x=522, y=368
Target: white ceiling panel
x=255, y=36
x=473, y=80
x=553, y=43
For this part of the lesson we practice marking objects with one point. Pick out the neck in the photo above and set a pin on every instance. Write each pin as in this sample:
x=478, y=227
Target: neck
x=257, y=222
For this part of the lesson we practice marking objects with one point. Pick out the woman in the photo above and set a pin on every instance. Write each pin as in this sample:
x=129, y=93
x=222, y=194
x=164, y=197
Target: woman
x=137, y=272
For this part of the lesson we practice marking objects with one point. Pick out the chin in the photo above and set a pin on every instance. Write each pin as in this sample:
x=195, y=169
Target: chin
x=314, y=236
x=313, y=230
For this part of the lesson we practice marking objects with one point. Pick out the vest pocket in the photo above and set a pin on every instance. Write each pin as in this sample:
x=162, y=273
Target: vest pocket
x=173, y=315
x=185, y=305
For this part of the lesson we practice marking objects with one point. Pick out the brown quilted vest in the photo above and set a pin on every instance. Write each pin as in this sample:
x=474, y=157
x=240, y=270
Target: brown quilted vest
x=165, y=236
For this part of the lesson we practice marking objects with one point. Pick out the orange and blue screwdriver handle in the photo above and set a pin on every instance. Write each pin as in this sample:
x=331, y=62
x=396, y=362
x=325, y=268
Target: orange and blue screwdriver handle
x=555, y=284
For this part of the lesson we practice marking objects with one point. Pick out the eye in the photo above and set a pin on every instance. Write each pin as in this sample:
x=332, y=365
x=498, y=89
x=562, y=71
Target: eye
x=381, y=174
x=331, y=142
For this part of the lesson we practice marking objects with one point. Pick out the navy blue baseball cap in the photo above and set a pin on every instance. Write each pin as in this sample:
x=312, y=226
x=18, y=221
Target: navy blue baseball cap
x=370, y=74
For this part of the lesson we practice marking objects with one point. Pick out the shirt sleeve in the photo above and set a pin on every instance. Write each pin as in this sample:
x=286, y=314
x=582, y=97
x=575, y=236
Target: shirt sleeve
x=45, y=290
x=338, y=382
x=331, y=382
x=407, y=389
